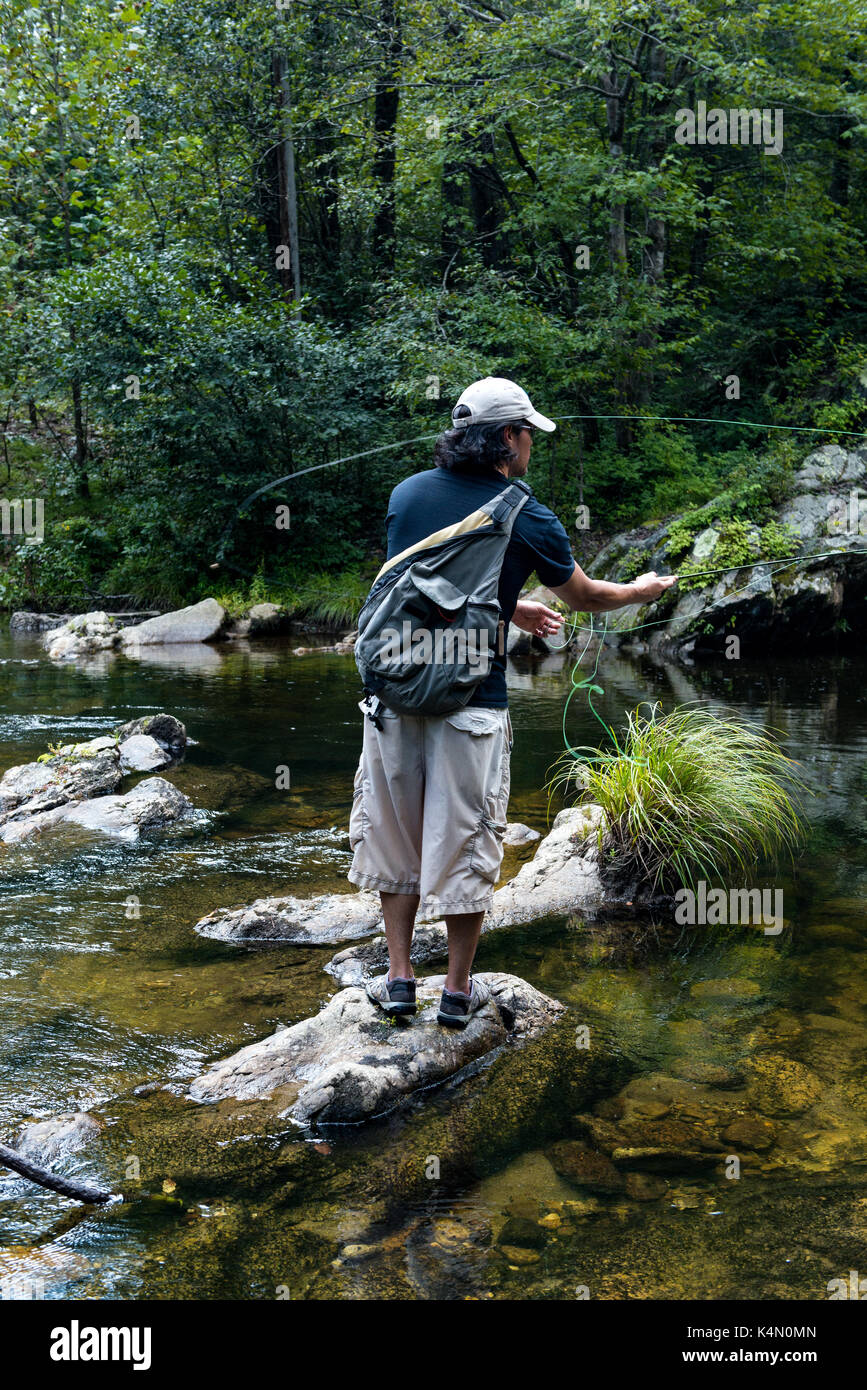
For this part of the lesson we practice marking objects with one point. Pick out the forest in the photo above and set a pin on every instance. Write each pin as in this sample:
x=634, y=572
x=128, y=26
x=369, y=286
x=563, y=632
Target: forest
x=243, y=241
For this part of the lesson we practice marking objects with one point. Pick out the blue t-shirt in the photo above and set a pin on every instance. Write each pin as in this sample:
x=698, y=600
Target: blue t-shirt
x=438, y=497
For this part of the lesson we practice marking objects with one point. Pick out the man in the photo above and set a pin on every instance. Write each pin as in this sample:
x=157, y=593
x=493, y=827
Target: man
x=431, y=791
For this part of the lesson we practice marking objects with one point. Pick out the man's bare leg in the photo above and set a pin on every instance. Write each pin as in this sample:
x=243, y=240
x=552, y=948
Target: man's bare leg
x=464, y=931
x=398, y=912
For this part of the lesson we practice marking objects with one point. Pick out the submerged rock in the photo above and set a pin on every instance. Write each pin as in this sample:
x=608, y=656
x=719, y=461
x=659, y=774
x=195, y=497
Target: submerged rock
x=45, y=1141
x=350, y=1063
x=779, y=1085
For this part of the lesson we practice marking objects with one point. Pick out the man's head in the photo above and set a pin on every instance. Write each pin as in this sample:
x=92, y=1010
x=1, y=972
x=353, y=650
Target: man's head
x=492, y=430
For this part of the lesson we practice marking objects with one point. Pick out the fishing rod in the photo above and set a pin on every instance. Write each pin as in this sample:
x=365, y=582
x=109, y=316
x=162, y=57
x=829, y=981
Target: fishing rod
x=590, y=683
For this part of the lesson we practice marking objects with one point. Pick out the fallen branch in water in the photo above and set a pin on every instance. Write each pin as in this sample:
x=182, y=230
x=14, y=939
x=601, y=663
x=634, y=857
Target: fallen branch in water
x=10, y=1159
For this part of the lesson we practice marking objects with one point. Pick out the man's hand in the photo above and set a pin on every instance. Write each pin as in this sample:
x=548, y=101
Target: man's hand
x=536, y=618
x=648, y=587
x=585, y=595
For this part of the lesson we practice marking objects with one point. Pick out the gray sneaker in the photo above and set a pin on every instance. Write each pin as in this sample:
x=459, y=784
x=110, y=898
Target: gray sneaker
x=393, y=996
x=457, y=1009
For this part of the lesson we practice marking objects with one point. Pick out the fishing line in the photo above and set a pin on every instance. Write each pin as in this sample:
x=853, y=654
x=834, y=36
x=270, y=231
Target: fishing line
x=300, y=473
x=422, y=438
x=589, y=683
x=717, y=420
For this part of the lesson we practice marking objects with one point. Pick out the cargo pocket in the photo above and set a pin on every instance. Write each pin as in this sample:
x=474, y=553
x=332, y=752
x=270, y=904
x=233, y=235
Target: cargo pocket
x=486, y=846
x=357, y=817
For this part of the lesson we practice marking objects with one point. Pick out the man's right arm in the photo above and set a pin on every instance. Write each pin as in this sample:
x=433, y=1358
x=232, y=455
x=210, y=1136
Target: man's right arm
x=585, y=595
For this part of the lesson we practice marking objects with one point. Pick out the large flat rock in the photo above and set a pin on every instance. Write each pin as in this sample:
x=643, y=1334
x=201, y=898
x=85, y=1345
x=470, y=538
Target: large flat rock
x=562, y=876
x=198, y=622
x=349, y=1063
x=317, y=921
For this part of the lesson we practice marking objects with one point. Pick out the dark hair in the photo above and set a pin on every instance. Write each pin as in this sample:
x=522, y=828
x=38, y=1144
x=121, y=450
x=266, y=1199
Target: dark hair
x=475, y=448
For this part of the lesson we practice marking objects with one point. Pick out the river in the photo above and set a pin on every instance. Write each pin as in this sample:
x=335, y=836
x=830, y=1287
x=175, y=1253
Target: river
x=106, y=987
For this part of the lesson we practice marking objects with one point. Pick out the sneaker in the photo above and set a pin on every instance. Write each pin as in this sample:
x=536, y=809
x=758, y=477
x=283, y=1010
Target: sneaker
x=393, y=996
x=457, y=1009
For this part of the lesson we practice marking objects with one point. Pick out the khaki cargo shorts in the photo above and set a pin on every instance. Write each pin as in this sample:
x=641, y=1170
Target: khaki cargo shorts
x=429, y=809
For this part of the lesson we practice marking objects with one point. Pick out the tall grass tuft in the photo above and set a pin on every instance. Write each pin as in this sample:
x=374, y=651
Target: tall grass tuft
x=690, y=795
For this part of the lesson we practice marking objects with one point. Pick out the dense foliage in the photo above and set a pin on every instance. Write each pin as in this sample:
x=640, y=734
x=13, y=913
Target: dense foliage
x=480, y=188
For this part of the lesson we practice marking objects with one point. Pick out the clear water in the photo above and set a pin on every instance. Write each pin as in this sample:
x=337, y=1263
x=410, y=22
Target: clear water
x=106, y=987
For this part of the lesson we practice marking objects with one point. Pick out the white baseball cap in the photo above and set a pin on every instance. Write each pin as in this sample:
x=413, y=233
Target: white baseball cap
x=496, y=400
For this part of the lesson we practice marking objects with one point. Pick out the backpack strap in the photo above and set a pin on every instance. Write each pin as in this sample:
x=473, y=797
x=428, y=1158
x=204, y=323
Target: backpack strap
x=509, y=503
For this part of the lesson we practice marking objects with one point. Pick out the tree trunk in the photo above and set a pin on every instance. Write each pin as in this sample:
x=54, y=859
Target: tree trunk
x=618, y=251
x=487, y=192
x=838, y=191
x=290, y=275
x=385, y=108
x=655, y=231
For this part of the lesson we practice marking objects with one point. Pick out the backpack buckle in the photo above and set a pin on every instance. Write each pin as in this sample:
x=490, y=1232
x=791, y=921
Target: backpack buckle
x=374, y=705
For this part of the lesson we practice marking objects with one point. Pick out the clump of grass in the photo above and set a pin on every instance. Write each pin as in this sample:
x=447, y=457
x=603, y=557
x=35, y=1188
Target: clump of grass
x=334, y=600
x=690, y=795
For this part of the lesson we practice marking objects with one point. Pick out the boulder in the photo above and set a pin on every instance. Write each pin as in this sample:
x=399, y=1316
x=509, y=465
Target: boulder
x=266, y=618
x=80, y=635
x=152, y=803
x=35, y=622
x=350, y=1063
x=198, y=622
x=830, y=466
x=34, y=795
x=141, y=754
x=762, y=604
x=44, y=622
x=314, y=921
x=36, y=788
x=563, y=875
x=168, y=732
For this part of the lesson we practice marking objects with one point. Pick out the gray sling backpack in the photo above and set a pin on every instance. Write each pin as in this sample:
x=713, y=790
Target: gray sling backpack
x=430, y=626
